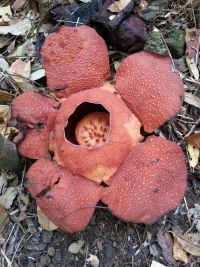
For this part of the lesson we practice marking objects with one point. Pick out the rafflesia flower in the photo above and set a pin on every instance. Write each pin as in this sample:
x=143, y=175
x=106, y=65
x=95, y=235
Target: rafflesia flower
x=88, y=144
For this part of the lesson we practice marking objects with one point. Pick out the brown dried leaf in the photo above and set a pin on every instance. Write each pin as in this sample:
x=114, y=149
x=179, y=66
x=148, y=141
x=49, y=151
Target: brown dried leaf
x=5, y=115
x=194, y=153
x=192, y=51
x=4, y=219
x=18, y=4
x=179, y=253
x=194, y=140
x=5, y=96
x=20, y=70
x=27, y=49
x=44, y=221
x=192, y=100
x=4, y=40
x=143, y=4
x=5, y=15
x=189, y=242
x=17, y=27
x=166, y=243
x=7, y=198
x=118, y=5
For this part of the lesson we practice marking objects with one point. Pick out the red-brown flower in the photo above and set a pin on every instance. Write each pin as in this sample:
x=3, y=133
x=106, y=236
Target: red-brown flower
x=91, y=137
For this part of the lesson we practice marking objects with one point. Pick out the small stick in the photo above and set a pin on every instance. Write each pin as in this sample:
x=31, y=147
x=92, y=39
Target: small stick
x=6, y=258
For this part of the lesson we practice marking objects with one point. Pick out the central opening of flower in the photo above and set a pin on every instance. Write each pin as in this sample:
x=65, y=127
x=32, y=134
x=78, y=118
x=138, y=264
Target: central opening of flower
x=88, y=125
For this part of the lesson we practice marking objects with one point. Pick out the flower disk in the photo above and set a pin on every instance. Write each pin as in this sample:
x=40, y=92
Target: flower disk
x=93, y=129
x=102, y=161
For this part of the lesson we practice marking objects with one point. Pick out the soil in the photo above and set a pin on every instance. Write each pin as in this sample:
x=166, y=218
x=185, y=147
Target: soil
x=114, y=242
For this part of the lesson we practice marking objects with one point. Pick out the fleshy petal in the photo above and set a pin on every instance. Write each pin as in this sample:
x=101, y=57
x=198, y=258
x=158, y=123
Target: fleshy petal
x=75, y=59
x=150, y=88
x=150, y=183
x=36, y=115
x=68, y=201
x=100, y=162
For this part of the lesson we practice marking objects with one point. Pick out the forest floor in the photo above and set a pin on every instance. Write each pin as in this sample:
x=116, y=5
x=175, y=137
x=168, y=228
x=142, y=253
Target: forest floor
x=107, y=241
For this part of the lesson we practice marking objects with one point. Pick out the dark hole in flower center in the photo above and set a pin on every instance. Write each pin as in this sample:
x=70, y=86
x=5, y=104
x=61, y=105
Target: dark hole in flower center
x=103, y=184
x=88, y=125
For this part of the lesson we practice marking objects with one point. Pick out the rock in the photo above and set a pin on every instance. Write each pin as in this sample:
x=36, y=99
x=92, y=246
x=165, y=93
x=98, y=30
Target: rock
x=155, y=43
x=130, y=36
x=44, y=261
x=35, y=244
x=51, y=251
x=175, y=41
x=9, y=158
x=46, y=237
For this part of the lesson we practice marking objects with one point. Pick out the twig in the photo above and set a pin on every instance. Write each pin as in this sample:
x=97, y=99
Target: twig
x=6, y=258
x=141, y=244
x=192, y=128
x=23, y=175
x=186, y=205
x=18, y=247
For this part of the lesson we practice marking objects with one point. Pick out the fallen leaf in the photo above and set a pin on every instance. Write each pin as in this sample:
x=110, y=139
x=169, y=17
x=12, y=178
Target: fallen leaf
x=5, y=96
x=117, y=6
x=192, y=49
x=3, y=64
x=46, y=27
x=38, y=74
x=20, y=70
x=166, y=243
x=18, y=4
x=17, y=27
x=194, y=155
x=4, y=40
x=112, y=17
x=179, y=253
x=92, y=260
x=116, y=64
x=7, y=198
x=23, y=202
x=5, y=15
x=4, y=219
x=189, y=242
x=11, y=47
x=143, y=4
x=194, y=140
x=5, y=115
x=192, y=100
x=157, y=264
x=194, y=214
x=26, y=49
x=3, y=184
x=44, y=221
x=76, y=246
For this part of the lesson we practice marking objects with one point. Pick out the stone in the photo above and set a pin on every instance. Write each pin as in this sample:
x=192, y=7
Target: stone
x=175, y=41
x=155, y=43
